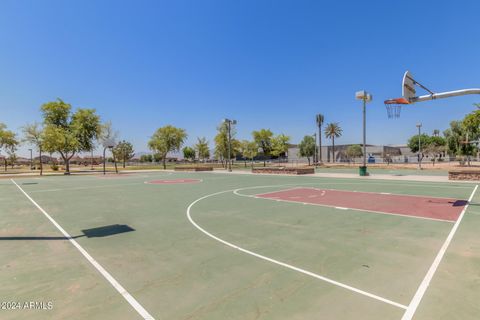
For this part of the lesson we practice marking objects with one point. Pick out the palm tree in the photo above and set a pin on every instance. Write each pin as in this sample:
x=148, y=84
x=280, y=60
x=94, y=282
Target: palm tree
x=332, y=131
x=319, y=118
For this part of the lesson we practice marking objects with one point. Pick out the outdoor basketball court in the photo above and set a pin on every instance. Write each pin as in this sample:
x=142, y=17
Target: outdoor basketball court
x=238, y=246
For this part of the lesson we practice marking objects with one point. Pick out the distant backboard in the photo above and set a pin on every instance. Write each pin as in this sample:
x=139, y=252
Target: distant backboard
x=408, y=87
x=109, y=142
x=363, y=95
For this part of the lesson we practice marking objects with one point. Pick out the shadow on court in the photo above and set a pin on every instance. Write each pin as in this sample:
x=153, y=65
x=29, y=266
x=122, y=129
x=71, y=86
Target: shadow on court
x=99, y=232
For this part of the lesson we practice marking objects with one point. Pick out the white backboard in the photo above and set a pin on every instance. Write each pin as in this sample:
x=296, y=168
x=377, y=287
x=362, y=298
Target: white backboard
x=363, y=95
x=408, y=86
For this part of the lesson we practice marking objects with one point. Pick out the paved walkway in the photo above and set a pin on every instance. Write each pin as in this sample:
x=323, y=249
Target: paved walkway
x=375, y=176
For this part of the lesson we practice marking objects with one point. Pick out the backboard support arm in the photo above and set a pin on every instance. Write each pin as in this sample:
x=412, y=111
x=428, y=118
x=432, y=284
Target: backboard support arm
x=442, y=95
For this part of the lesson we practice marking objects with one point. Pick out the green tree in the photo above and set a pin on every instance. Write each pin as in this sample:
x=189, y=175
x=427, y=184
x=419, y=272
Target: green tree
x=68, y=133
x=471, y=124
x=188, y=153
x=454, y=136
x=435, y=147
x=471, y=128
x=307, y=147
x=124, y=151
x=12, y=158
x=221, y=143
x=87, y=127
x=156, y=157
x=202, y=148
x=248, y=150
x=167, y=139
x=8, y=142
x=242, y=147
x=413, y=142
x=33, y=134
x=263, y=139
x=280, y=145
x=354, y=151
x=332, y=131
x=146, y=158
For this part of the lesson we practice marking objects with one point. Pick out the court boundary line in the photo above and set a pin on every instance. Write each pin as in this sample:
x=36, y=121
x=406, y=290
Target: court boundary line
x=389, y=194
x=192, y=182
x=86, y=188
x=342, y=208
x=277, y=262
x=417, y=298
x=120, y=289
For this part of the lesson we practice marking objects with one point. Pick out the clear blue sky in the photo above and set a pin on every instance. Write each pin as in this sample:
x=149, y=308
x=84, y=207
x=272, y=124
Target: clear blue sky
x=268, y=64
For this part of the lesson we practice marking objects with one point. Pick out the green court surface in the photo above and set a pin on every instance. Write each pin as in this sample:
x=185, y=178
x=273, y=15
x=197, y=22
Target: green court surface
x=208, y=250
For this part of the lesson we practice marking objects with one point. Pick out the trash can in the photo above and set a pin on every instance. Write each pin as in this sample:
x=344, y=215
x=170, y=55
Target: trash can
x=363, y=171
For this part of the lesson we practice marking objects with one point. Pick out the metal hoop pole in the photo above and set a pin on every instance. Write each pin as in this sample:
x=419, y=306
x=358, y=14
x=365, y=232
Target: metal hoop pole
x=364, y=131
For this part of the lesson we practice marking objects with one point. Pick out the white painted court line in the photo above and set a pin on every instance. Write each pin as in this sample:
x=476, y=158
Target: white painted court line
x=85, y=188
x=343, y=208
x=283, y=264
x=173, y=181
x=412, y=307
x=283, y=190
x=341, y=190
x=130, y=299
x=384, y=193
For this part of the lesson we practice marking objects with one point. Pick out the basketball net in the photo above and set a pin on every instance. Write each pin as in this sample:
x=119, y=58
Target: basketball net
x=394, y=107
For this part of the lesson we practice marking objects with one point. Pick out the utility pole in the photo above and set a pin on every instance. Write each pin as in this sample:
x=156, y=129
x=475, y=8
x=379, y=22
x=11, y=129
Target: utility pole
x=419, y=126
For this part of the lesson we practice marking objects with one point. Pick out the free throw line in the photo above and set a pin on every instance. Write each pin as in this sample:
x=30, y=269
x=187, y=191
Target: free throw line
x=130, y=299
x=283, y=264
x=412, y=307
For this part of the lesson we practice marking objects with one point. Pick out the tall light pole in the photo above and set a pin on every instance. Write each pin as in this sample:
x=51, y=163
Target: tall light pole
x=319, y=118
x=365, y=97
x=419, y=126
x=229, y=123
x=31, y=159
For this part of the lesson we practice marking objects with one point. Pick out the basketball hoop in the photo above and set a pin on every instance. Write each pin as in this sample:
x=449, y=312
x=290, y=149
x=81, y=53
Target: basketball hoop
x=394, y=107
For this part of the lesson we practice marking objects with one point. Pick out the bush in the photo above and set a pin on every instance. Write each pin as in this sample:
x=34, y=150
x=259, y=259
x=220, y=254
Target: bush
x=54, y=167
